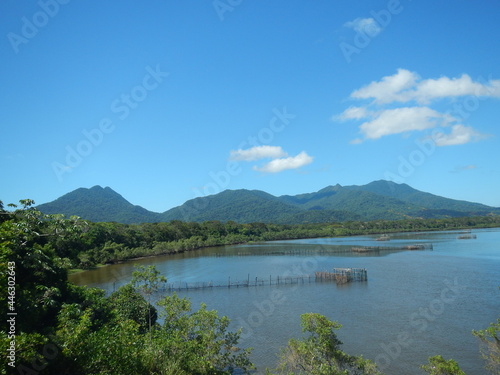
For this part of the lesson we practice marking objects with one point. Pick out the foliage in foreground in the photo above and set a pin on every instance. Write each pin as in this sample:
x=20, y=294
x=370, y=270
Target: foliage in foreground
x=490, y=338
x=65, y=329
x=439, y=366
x=320, y=353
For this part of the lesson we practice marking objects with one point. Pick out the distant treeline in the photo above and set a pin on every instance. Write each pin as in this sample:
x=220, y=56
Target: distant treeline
x=87, y=244
x=101, y=243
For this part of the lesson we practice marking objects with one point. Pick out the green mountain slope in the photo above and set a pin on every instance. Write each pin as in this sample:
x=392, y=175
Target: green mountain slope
x=243, y=206
x=376, y=200
x=429, y=202
x=366, y=205
x=99, y=204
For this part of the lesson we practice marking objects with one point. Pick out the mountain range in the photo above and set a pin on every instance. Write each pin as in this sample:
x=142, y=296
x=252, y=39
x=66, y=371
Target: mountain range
x=378, y=200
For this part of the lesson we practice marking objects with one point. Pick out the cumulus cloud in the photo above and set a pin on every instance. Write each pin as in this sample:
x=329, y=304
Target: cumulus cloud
x=405, y=86
x=281, y=164
x=366, y=26
x=257, y=152
x=459, y=135
x=388, y=89
x=402, y=103
x=402, y=120
x=280, y=159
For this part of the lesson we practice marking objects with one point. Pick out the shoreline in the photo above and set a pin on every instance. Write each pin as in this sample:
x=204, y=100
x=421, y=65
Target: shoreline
x=73, y=271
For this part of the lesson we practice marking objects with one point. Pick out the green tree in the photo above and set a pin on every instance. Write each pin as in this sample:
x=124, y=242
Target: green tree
x=439, y=366
x=113, y=348
x=148, y=281
x=320, y=353
x=198, y=342
x=131, y=305
x=40, y=273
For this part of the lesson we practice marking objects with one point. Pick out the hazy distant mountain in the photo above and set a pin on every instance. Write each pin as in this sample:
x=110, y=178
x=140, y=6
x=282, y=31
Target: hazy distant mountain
x=376, y=200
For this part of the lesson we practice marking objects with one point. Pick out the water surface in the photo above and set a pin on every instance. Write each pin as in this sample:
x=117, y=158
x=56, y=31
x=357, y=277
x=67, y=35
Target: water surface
x=415, y=304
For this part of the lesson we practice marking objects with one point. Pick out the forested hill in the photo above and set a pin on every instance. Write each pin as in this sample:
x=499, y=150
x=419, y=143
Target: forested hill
x=99, y=205
x=378, y=200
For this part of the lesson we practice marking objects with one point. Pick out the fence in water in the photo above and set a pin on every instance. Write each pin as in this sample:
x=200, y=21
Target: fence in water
x=329, y=250
x=371, y=249
x=339, y=276
x=249, y=282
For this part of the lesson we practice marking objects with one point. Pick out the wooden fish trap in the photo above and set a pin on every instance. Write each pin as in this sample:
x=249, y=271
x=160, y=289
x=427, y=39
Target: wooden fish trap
x=343, y=275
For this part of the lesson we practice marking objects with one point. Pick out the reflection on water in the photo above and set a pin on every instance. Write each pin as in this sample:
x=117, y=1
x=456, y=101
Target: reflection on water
x=415, y=304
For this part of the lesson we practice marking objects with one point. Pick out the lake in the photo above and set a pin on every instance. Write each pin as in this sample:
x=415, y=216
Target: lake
x=415, y=304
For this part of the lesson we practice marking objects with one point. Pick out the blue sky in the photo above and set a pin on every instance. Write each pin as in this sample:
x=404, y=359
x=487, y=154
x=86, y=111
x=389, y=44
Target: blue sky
x=166, y=100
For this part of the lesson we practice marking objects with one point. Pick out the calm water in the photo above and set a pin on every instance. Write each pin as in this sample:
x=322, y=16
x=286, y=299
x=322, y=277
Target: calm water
x=415, y=304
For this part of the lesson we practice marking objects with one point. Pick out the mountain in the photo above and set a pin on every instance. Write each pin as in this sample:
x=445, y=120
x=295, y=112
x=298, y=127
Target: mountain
x=99, y=204
x=426, y=200
x=365, y=204
x=376, y=200
x=237, y=205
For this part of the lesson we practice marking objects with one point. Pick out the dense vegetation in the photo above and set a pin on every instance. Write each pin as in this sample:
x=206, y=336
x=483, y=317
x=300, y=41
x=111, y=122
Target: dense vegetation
x=378, y=200
x=63, y=329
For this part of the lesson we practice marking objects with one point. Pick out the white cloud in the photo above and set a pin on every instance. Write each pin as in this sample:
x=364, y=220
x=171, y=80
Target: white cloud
x=281, y=164
x=353, y=113
x=403, y=102
x=257, y=152
x=405, y=86
x=402, y=120
x=459, y=135
x=388, y=89
x=366, y=26
x=446, y=87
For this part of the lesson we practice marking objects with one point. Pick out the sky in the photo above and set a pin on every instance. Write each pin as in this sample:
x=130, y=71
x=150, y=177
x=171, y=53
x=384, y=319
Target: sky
x=165, y=101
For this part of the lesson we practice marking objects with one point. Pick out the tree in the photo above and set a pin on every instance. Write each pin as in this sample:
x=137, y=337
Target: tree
x=148, y=280
x=490, y=337
x=320, y=353
x=40, y=273
x=131, y=305
x=439, y=366
x=198, y=342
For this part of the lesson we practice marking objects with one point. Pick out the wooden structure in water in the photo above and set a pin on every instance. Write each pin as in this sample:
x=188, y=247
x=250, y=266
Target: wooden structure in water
x=339, y=275
x=467, y=237
x=374, y=249
x=343, y=275
x=249, y=282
